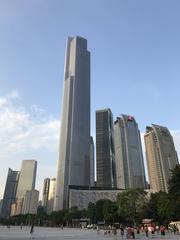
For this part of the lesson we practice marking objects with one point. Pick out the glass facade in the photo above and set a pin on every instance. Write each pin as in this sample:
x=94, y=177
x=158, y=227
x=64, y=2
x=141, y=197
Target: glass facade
x=10, y=192
x=74, y=150
x=105, y=149
x=130, y=171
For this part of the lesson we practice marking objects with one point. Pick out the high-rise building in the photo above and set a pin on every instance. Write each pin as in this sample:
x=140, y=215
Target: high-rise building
x=10, y=192
x=105, y=161
x=74, y=149
x=51, y=195
x=30, y=203
x=161, y=156
x=26, y=182
x=45, y=193
x=48, y=194
x=92, y=174
x=130, y=171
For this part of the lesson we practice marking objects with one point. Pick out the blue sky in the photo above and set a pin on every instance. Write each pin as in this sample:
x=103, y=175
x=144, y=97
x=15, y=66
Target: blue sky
x=135, y=59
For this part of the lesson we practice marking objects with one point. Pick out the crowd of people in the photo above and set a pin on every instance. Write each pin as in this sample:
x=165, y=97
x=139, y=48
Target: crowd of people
x=130, y=232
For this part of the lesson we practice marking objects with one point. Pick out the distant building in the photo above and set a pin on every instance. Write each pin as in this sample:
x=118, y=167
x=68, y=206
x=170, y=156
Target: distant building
x=26, y=182
x=13, y=209
x=9, y=193
x=130, y=171
x=48, y=194
x=30, y=204
x=105, y=160
x=92, y=174
x=51, y=195
x=74, y=153
x=161, y=156
x=45, y=193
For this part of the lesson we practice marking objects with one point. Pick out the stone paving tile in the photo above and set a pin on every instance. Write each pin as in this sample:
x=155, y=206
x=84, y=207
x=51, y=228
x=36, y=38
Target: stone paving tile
x=40, y=233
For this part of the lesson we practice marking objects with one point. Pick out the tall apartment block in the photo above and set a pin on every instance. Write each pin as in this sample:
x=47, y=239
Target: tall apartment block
x=74, y=149
x=161, y=156
x=130, y=171
x=26, y=182
x=105, y=161
x=10, y=193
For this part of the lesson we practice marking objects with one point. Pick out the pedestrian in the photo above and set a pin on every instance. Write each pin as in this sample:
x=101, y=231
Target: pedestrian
x=114, y=230
x=122, y=231
x=98, y=229
x=32, y=231
x=132, y=233
x=146, y=231
x=21, y=226
x=157, y=229
x=162, y=229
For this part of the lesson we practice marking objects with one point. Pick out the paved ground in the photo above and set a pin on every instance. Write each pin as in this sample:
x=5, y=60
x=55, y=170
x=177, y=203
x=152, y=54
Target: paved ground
x=15, y=233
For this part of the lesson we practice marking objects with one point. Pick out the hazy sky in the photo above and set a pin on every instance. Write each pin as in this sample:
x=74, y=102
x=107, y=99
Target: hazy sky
x=135, y=69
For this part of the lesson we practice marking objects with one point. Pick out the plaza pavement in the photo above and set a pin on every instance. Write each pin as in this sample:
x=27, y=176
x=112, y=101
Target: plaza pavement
x=15, y=233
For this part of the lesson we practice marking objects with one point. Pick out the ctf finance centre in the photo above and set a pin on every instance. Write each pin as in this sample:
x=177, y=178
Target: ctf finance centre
x=74, y=150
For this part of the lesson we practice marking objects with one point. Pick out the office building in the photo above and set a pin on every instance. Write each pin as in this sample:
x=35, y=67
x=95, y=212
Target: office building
x=9, y=193
x=45, y=193
x=74, y=148
x=161, y=156
x=30, y=203
x=26, y=182
x=51, y=195
x=130, y=171
x=105, y=161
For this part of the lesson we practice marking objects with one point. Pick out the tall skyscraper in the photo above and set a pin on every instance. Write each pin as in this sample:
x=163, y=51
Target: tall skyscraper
x=130, y=171
x=105, y=160
x=9, y=193
x=26, y=182
x=161, y=156
x=74, y=151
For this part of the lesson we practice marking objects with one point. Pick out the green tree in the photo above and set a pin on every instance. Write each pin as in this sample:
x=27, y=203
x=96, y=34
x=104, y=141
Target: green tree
x=99, y=210
x=132, y=204
x=174, y=192
x=160, y=208
x=109, y=211
x=91, y=212
x=174, y=182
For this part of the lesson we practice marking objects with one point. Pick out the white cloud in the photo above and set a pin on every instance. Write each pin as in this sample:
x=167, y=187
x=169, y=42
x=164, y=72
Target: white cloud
x=26, y=134
x=13, y=94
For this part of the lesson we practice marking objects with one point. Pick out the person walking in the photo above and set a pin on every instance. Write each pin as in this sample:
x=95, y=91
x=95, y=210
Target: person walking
x=146, y=231
x=32, y=231
x=122, y=231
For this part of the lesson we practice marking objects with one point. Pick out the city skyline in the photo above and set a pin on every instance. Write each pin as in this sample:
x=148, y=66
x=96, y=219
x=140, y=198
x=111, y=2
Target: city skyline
x=135, y=70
